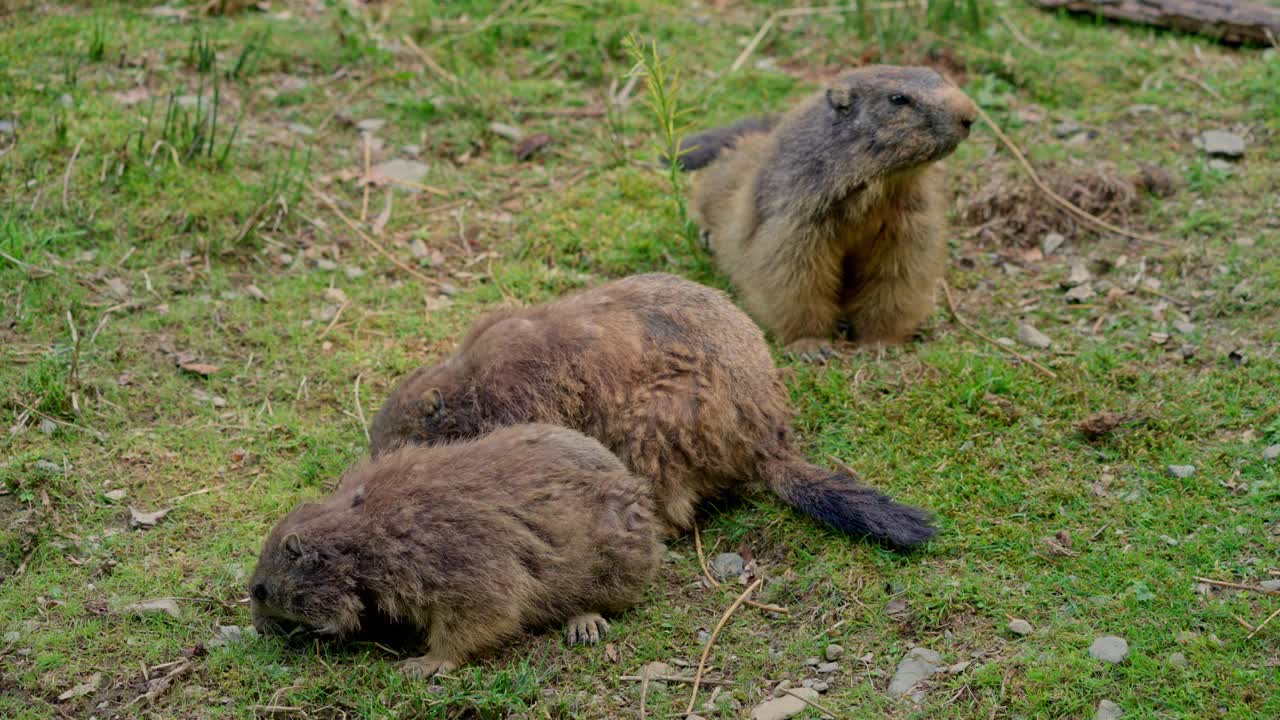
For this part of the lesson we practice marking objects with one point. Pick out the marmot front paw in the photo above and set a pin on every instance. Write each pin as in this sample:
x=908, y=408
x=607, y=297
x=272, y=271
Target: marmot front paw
x=585, y=629
x=420, y=668
x=810, y=349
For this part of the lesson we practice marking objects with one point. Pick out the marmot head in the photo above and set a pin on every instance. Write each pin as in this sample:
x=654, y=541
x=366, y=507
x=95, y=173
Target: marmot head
x=416, y=412
x=303, y=580
x=896, y=118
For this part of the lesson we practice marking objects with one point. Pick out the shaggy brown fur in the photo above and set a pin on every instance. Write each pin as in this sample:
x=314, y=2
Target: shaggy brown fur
x=470, y=542
x=667, y=373
x=834, y=211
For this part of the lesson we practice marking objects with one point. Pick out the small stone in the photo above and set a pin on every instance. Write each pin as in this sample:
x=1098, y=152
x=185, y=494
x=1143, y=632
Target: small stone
x=159, y=606
x=301, y=129
x=1271, y=453
x=1018, y=626
x=1220, y=143
x=230, y=635
x=7, y=127
x=448, y=289
x=1006, y=342
x=655, y=669
x=1242, y=290
x=1080, y=293
x=1078, y=275
x=12, y=636
x=834, y=652
x=828, y=667
x=513, y=134
x=399, y=170
x=1184, y=326
x=1181, y=471
x=1188, y=352
x=115, y=495
x=1066, y=129
x=1185, y=636
x=326, y=264
x=1221, y=166
x=1245, y=242
x=782, y=688
x=1159, y=338
x=812, y=661
x=370, y=125
x=1108, y=710
x=727, y=565
x=419, y=250
x=784, y=707
x=820, y=685
x=1271, y=586
x=1051, y=242
x=353, y=271
x=919, y=664
x=959, y=667
x=1109, y=648
x=48, y=427
x=1031, y=337
x=1178, y=660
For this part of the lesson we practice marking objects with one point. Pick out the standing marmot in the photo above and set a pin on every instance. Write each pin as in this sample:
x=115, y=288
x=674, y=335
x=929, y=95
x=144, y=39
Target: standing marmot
x=834, y=210
x=470, y=542
x=667, y=373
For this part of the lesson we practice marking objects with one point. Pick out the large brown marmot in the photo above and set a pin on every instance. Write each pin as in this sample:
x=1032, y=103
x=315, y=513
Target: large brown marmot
x=667, y=373
x=470, y=542
x=833, y=212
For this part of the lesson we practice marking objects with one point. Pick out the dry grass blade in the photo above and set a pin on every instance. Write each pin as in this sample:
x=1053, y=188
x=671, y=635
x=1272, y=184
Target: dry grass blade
x=66, y=176
x=801, y=12
x=1233, y=585
x=955, y=315
x=1064, y=203
x=328, y=201
x=702, y=559
x=31, y=270
x=1264, y=623
x=675, y=678
x=706, y=652
x=644, y=691
x=430, y=62
x=364, y=425
x=368, y=164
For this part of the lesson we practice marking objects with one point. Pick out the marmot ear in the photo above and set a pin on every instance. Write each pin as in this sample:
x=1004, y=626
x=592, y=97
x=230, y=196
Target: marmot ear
x=293, y=545
x=840, y=98
x=433, y=401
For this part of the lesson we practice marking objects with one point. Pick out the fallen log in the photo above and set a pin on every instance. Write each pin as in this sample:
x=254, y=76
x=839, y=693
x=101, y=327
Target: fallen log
x=1230, y=22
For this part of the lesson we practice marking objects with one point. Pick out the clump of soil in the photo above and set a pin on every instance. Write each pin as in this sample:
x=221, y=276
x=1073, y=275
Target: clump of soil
x=1014, y=209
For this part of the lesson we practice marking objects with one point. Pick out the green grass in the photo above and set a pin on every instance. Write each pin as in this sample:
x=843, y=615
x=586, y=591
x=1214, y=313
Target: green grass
x=158, y=263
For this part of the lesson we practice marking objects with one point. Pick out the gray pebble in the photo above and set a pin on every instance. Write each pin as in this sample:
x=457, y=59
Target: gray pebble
x=12, y=636
x=1184, y=327
x=1066, y=129
x=1270, y=585
x=1109, y=648
x=1178, y=660
x=1051, y=242
x=1031, y=337
x=727, y=565
x=812, y=661
x=828, y=667
x=1018, y=626
x=1220, y=143
x=1181, y=471
x=1108, y=710
x=834, y=652
x=1080, y=293
x=326, y=264
x=1271, y=453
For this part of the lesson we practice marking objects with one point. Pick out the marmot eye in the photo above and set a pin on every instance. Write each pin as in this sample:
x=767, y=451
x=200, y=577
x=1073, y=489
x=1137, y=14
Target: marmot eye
x=899, y=99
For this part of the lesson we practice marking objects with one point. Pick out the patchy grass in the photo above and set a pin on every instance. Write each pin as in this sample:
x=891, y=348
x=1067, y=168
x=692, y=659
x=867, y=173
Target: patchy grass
x=160, y=247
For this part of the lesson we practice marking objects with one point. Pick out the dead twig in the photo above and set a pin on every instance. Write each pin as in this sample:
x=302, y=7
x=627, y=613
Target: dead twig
x=1233, y=585
x=711, y=641
x=1004, y=683
x=766, y=606
x=1017, y=35
x=676, y=678
x=702, y=560
x=1244, y=624
x=1264, y=624
x=364, y=425
x=809, y=702
x=430, y=62
x=332, y=323
x=367, y=239
x=1064, y=203
x=644, y=691
x=32, y=270
x=368, y=165
x=955, y=315
x=161, y=685
x=66, y=176
x=1188, y=77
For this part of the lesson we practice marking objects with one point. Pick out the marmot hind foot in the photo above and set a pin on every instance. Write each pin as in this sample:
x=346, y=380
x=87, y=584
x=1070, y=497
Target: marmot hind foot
x=585, y=629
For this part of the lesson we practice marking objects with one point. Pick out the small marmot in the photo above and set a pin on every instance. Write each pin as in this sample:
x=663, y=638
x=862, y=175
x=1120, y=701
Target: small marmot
x=668, y=374
x=470, y=542
x=833, y=213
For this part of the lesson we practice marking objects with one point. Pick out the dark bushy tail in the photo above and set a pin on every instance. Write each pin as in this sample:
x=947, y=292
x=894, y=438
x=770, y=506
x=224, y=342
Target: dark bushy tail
x=838, y=500
x=697, y=151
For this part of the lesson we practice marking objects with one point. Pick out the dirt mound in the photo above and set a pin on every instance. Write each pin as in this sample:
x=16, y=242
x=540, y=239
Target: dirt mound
x=1014, y=210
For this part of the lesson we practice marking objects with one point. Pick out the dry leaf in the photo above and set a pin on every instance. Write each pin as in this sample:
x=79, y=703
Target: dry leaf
x=142, y=519
x=526, y=148
x=611, y=652
x=199, y=368
x=380, y=222
x=82, y=689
